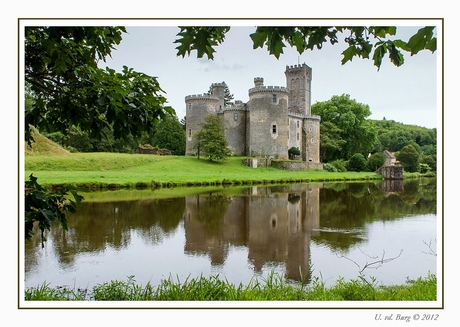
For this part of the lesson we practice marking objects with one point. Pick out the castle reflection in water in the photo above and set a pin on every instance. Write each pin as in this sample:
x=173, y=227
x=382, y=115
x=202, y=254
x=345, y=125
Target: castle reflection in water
x=275, y=226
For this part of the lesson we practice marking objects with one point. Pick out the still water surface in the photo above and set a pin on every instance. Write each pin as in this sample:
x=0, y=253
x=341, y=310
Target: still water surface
x=301, y=231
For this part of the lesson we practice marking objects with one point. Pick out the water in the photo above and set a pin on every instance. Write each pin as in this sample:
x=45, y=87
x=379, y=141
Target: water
x=302, y=231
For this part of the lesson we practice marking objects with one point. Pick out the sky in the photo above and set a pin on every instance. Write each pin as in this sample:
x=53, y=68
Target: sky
x=406, y=94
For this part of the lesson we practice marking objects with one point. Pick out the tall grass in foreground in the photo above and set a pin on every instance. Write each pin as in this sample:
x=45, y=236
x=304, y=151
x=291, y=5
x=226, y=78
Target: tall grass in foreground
x=272, y=288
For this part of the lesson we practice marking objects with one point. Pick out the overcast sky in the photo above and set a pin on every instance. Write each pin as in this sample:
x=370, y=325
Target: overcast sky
x=406, y=94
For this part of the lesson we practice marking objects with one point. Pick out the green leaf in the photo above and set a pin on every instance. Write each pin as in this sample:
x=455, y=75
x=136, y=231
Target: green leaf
x=421, y=39
x=348, y=54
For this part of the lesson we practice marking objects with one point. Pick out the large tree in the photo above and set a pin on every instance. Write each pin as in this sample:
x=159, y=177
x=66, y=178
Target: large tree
x=360, y=41
x=67, y=88
x=349, y=117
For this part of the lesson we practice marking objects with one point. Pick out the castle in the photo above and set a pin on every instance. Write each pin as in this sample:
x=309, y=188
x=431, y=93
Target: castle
x=274, y=119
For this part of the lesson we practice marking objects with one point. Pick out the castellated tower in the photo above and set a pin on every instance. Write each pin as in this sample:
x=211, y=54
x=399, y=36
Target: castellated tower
x=274, y=119
x=218, y=90
x=306, y=136
x=268, y=109
x=298, y=82
x=197, y=107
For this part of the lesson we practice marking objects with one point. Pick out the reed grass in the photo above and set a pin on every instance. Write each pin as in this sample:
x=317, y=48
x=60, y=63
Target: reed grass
x=272, y=288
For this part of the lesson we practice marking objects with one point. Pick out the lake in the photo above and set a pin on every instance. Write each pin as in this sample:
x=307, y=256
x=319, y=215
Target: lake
x=384, y=230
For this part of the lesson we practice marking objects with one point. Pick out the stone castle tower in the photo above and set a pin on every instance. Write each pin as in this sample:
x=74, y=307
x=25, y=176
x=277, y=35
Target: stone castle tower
x=275, y=118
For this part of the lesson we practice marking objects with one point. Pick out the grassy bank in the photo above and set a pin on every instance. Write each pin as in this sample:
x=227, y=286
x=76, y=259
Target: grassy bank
x=273, y=288
x=105, y=170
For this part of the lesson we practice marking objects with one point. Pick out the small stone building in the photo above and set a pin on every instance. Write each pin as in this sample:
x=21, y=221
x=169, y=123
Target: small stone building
x=274, y=119
x=390, y=158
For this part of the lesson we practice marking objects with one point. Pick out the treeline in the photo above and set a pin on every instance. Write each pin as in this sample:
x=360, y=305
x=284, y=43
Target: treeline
x=168, y=134
x=351, y=141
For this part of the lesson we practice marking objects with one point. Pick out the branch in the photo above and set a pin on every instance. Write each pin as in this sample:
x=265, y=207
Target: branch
x=368, y=265
x=431, y=252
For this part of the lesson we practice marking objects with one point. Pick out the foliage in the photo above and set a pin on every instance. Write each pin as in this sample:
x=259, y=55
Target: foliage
x=375, y=161
x=340, y=165
x=45, y=207
x=329, y=167
x=211, y=141
x=409, y=158
x=365, y=42
x=68, y=87
x=203, y=39
x=170, y=135
x=424, y=168
x=293, y=152
x=393, y=136
x=214, y=288
x=330, y=141
x=357, y=162
x=345, y=121
x=65, y=88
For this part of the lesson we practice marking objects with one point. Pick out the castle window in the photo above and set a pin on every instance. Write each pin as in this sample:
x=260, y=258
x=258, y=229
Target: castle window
x=190, y=106
x=298, y=124
x=274, y=97
x=297, y=136
x=235, y=116
x=274, y=129
x=190, y=132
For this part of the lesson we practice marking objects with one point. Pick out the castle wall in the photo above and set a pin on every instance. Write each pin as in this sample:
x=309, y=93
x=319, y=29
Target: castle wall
x=295, y=125
x=197, y=107
x=268, y=131
x=234, y=120
x=311, y=141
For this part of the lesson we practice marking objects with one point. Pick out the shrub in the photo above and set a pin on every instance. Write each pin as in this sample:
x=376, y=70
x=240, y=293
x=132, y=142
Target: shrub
x=357, y=162
x=375, y=161
x=293, y=152
x=340, y=165
x=424, y=168
x=329, y=167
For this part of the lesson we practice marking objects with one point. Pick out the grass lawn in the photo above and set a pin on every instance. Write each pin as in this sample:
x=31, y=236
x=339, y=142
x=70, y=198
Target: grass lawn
x=130, y=170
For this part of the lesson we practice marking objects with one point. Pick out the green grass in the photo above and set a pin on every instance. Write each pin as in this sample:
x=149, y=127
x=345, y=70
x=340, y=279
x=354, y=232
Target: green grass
x=135, y=170
x=272, y=288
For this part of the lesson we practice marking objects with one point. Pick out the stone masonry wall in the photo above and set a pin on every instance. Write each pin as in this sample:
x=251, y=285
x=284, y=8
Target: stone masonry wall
x=268, y=122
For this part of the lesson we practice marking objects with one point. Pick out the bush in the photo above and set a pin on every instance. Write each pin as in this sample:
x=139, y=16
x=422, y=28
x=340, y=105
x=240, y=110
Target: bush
x=340, y=165
x=375, y=161
x=357, y=162
x=293, y=152
x=329, y=167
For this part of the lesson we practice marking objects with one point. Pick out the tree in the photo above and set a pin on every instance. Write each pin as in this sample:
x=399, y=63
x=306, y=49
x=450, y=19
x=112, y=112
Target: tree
x=68, y=87
x=409, y=158
x=330, y=141
x=65, y=88
x=361, y=41
x=170, y=135
x=349, y=117
x=357, y=162
x=211, y=140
